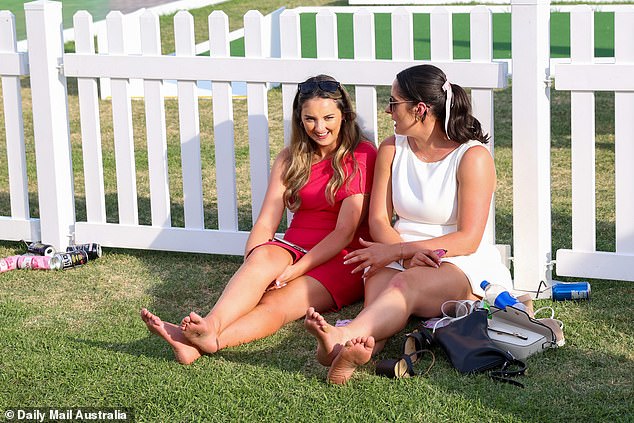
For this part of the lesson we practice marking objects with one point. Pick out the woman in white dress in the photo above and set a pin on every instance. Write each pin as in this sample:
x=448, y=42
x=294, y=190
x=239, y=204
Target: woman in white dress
x=436, y=176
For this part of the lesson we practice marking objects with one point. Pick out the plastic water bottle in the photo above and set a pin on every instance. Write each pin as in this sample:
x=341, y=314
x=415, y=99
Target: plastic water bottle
x=498, y=296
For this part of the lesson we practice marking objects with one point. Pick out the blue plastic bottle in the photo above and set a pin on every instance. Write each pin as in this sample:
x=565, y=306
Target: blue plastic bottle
x=498, y=296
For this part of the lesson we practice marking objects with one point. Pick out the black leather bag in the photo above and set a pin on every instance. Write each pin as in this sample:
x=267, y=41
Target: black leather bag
x=467, y=344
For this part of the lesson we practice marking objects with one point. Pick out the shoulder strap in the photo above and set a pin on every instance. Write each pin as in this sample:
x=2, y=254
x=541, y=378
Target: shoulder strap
x=504, y=374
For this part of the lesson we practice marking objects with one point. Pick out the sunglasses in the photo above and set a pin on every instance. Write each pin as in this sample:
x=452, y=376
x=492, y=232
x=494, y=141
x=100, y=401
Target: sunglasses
x=392, y=101
x=309, y=87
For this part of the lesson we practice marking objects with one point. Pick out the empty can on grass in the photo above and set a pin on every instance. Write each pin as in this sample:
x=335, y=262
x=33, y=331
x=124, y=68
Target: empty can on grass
x=40, y=249
x=93, y=250
x=571, y=291
x=72, y=258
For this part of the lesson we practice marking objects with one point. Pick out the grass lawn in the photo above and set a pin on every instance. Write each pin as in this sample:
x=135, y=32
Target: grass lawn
x=74, y=338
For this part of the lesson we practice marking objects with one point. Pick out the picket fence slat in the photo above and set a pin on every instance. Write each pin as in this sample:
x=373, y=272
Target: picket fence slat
x=402, y=35
x=90, y=124
x=291, y=49
x=364, y=48
x=583, y=136
x=441, y=34
x=326, y=33
x=481, y=36
x=14, y=127
x=258, y=120
x=189, y=127
x=155, y=126
x=122, y=129
x=222, y=102
x=624, y=136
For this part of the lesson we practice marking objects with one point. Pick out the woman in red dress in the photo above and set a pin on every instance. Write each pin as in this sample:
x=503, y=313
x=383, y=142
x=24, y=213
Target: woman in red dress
x=324, y=177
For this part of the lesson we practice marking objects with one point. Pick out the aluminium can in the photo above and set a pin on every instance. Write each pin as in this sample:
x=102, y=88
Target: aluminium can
x=38, y=262
x=571, y=291
x=93, y=250
x=71, y=259
x=40, y=249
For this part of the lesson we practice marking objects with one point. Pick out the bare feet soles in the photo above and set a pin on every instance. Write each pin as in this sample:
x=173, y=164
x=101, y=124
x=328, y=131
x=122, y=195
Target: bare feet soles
x=184, y=351
x=329, y=338
x=200, y=332
x=354, y=353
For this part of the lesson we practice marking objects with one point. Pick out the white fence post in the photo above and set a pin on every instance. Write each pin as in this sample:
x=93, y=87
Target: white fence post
x=50, y=122
x=530, y=22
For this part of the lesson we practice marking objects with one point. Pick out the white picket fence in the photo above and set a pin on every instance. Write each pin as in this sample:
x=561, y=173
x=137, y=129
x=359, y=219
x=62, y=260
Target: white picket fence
x=48, y=68
x=583, y=76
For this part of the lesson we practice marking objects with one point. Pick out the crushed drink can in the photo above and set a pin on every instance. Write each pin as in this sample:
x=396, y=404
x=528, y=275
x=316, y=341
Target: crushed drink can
x=38, y=262
x=8, y=263
x=562, y=291
x=71, y=259
x=40, y=249
x=93, y=250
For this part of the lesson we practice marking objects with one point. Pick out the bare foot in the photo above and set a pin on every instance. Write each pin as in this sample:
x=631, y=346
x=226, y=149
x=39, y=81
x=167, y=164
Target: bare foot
x=184, y=351
x=200, y=332
x=330, y=339
x=354, y=353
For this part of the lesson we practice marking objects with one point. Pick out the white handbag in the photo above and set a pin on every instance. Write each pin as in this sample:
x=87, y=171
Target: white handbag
x=515, y=331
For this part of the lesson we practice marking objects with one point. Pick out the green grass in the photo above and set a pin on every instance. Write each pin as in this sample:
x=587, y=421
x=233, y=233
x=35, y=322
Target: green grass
x=74, y=338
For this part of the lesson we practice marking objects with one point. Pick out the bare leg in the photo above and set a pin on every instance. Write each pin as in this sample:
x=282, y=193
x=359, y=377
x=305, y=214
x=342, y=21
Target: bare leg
x=240, y=297
x=277, y=308
x=356, y=352
x=184, y=352
x=327, y=346
x=201, y=332
x=420, y=291
x=330, y=339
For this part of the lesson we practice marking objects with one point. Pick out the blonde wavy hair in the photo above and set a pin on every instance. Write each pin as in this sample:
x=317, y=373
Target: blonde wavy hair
x=302, y=148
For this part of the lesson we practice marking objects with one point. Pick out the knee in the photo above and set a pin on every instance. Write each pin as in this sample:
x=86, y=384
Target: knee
x=400, y=282
x=264, y=254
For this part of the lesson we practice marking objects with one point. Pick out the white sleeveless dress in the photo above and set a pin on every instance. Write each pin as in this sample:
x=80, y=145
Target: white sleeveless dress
x=425, y=199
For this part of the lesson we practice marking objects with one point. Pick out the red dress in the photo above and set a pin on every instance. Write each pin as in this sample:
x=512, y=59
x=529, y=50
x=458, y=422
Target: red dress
x=316, y=218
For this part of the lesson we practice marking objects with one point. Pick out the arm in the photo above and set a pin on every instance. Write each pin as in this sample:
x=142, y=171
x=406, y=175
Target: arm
x=476, y=183
x=352, y=211
x=381, y=207
x=388, y=245
x=272, y=208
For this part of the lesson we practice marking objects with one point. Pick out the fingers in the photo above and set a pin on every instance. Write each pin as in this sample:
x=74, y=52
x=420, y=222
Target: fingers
x=425, y=259
x=364, y=242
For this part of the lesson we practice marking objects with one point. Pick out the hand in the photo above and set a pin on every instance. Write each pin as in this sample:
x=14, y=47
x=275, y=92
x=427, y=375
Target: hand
x=291, y=272
x=375, y=256
x=427, y=258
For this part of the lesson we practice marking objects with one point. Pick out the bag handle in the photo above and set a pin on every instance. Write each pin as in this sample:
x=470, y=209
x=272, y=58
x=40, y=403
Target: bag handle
x=504, y=373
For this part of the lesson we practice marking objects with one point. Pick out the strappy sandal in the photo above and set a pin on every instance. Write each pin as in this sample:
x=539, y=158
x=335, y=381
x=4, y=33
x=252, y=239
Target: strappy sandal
x=402, y=367
x=416, y=342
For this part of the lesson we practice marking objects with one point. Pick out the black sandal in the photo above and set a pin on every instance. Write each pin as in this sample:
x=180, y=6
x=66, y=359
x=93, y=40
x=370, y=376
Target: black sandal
x=402, y=367
x=416, y=342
